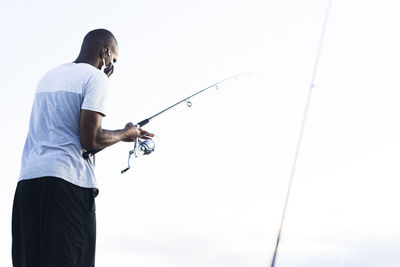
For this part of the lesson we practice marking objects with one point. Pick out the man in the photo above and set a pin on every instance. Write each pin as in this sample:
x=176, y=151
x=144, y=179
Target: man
x=53, y=221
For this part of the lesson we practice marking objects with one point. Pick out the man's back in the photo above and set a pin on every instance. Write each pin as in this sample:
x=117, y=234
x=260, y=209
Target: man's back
x=53, y=146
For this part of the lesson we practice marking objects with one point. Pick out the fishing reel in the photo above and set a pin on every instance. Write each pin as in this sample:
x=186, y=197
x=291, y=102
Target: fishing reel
x=145, y=147
x=142, y=146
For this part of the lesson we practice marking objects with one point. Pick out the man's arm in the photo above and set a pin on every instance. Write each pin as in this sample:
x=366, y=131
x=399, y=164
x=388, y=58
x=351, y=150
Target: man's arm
x=93, y=136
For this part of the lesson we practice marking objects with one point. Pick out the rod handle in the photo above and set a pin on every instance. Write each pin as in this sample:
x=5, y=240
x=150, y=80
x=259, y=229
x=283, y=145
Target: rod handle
x=143, y=122
x=89, y=153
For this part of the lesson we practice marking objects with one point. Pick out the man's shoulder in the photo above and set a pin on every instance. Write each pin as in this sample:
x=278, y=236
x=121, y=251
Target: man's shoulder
x=68, y=77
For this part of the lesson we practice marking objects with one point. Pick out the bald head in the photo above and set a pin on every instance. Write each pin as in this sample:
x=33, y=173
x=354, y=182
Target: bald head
x=97, y=45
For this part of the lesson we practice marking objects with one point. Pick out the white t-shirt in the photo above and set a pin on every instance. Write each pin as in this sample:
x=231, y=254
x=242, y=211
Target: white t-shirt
x=52, y=147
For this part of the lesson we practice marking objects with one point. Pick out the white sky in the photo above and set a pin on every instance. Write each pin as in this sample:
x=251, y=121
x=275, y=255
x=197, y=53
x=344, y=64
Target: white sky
x=213, y=192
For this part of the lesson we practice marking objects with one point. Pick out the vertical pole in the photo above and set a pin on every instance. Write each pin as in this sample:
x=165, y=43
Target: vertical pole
x=300, y=138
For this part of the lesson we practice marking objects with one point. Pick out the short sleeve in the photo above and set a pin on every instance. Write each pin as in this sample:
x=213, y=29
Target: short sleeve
x=94, y=93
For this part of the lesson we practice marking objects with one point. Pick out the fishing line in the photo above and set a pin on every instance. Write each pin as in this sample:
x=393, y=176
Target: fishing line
x=300, y=137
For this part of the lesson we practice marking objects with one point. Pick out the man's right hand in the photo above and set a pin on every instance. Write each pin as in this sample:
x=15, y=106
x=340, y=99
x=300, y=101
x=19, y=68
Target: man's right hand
x=131, y=132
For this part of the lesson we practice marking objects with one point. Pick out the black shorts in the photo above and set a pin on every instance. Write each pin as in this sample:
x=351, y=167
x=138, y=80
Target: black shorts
x=53, y=224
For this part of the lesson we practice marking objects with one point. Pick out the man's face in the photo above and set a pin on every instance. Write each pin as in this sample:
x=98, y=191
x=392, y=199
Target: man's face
x=114, y=53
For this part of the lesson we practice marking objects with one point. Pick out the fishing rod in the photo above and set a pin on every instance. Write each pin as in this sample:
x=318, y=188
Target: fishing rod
x=147, y=146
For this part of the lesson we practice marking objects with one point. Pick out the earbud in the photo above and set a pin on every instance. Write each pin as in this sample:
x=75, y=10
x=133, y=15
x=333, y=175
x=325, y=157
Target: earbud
x=108, y=69
x=108, y=52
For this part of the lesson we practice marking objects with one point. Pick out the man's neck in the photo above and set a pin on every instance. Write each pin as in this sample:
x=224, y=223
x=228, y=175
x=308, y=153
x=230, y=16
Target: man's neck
x=94, y=62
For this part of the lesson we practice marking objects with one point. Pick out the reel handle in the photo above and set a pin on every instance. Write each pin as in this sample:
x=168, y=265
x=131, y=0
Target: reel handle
x=89, y=153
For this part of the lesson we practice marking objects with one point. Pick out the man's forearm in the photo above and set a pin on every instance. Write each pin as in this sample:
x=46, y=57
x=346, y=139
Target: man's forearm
x=93, y=136
x=104, y=138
